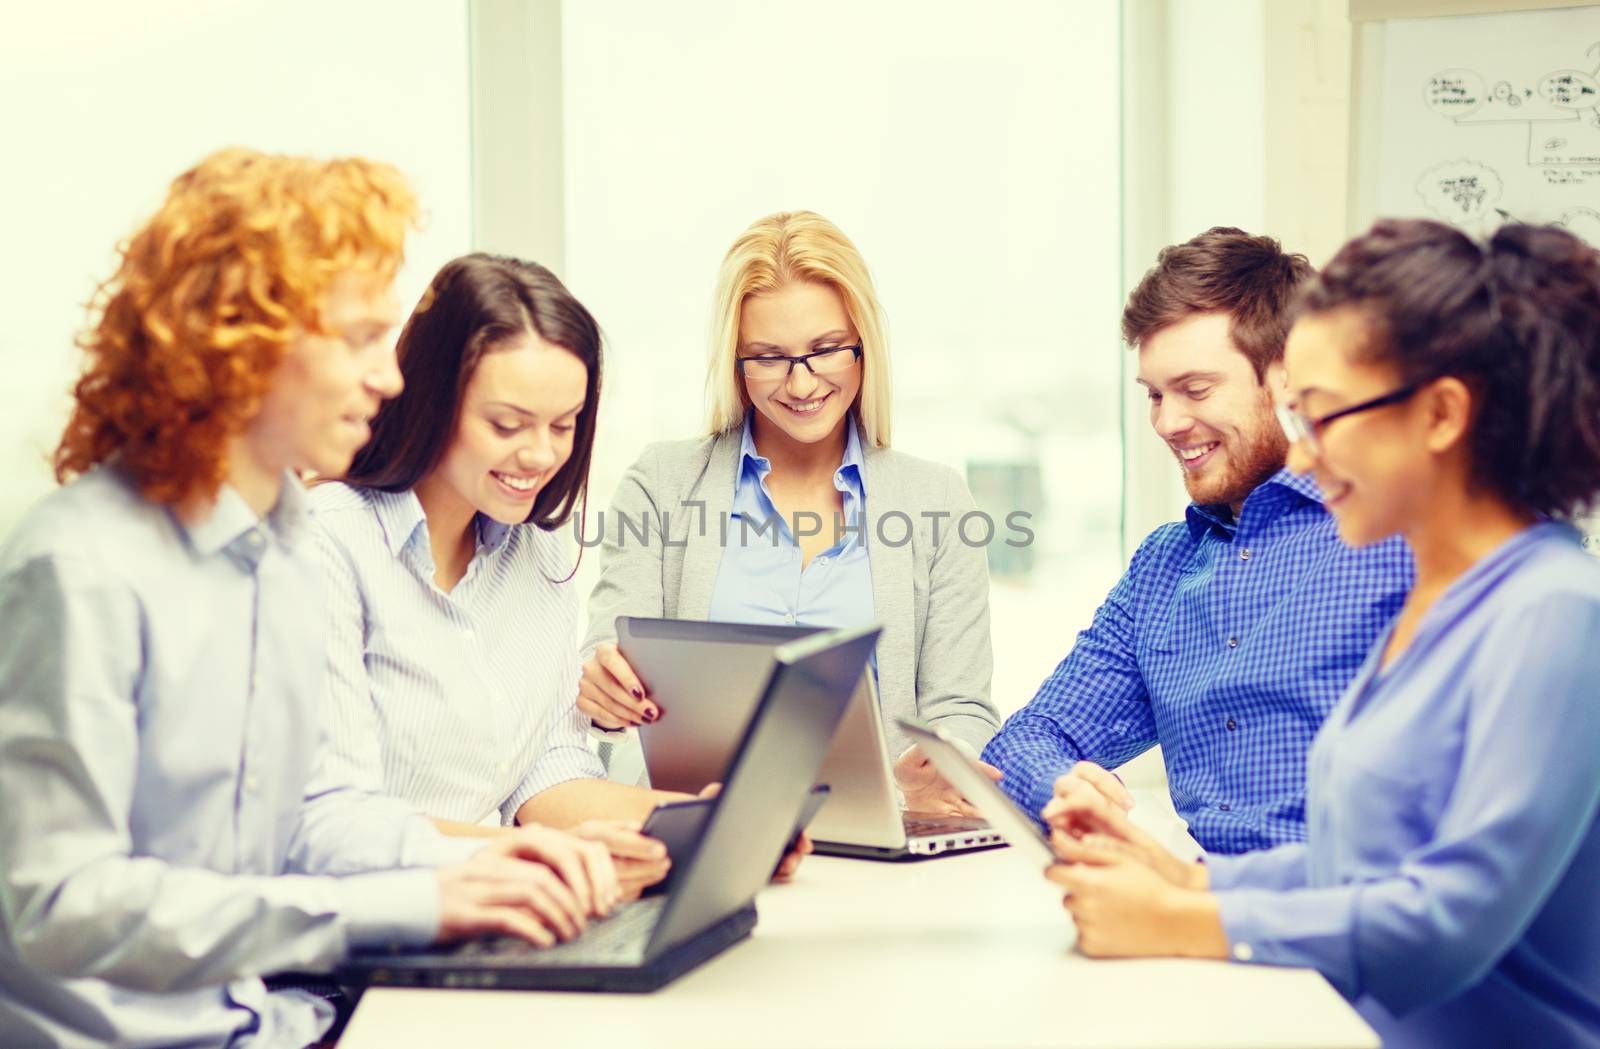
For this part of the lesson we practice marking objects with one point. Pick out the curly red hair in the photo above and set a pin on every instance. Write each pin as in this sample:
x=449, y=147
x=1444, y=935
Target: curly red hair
x=208, y=295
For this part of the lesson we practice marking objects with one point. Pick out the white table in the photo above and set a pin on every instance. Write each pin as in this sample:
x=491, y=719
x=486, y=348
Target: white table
x=962, y=951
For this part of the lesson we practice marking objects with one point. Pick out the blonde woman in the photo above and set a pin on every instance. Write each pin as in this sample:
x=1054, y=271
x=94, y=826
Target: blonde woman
x=793, y=509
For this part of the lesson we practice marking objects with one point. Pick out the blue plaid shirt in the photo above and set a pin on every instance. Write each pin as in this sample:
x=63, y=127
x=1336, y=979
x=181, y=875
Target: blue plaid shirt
x=1227, y=643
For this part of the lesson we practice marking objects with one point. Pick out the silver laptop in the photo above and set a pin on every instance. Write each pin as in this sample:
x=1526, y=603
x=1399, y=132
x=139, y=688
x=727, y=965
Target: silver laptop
x=705, y=677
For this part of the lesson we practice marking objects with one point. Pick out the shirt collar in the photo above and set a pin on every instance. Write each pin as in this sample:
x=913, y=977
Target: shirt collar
x=401, y=518
x=1279, y=490
x=850, y=477
x=403, y=522
x=491, y=534
x=750, y=488
x=233, y=527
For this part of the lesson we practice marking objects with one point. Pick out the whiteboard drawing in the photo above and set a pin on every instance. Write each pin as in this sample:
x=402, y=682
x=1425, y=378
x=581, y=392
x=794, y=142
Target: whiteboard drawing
x=1486, y=118
x=1585, y=223
x=1560, y=111
x=1460, y=191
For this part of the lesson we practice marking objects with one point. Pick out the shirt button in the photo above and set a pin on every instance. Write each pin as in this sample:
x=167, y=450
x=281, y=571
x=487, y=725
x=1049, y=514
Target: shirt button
x=1233, y=642
x=1225, y=807
x=1243, y=952
x=1232, y=724
x=822, y=560
x=250, y=783
x=788, y=617
x=1244, y=555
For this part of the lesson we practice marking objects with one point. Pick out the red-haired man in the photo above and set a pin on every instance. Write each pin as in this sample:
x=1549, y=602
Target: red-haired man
x=166, y=837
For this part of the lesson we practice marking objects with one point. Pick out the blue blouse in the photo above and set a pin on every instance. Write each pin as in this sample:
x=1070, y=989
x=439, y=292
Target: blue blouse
x=760, y=579
x=1449, y=883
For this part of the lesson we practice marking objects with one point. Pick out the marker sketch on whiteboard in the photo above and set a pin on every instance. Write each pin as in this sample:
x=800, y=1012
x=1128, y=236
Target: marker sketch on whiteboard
x=1506, y=124
x=1559, y=114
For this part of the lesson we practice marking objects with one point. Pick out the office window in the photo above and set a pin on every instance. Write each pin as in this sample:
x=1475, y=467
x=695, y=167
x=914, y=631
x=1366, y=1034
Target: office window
x=975, y=162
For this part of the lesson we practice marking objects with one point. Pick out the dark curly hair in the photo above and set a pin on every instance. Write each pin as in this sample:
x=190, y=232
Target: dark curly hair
x=1516, y=318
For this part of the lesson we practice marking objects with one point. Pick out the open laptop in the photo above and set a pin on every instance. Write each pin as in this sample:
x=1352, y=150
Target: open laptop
x=704, y=676
x=709, y=907
x=1019, y=829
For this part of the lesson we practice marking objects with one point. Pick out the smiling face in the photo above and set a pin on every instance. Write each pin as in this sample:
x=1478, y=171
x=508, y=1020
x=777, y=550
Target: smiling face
x=1375, y=468
x=800, y=317
x=1208, y=406
x=518, y=418
x=328, y=387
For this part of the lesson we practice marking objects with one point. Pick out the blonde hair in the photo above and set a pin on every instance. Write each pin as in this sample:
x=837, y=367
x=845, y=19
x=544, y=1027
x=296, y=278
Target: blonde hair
x=782, y=248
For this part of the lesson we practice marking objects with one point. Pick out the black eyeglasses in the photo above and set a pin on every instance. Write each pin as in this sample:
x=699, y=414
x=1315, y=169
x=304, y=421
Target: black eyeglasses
x=1298, y=426
x=828, y=361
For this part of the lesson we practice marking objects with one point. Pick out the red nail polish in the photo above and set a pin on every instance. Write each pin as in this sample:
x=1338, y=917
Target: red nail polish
x=637, y=694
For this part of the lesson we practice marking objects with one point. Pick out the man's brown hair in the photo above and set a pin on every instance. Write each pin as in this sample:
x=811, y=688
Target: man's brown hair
x=1223, y=270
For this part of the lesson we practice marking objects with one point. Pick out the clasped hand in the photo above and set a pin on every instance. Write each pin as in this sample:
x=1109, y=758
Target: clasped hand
x=1128, y=895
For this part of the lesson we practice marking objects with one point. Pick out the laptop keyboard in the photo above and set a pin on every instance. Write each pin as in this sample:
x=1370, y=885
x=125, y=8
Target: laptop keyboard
x=618, y=938
x=932, y=826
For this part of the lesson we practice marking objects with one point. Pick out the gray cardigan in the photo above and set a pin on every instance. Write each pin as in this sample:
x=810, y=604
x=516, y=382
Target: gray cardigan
x=934, y=658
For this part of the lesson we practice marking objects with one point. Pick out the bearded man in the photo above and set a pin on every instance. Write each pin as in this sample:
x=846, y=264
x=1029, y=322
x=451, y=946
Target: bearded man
x=1234, y=631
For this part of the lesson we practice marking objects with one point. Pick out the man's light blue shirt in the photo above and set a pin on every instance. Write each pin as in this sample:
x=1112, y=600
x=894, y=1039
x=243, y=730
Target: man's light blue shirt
x=1226, y=642
x=1451, y=882
x=162, y=767
x=760, y=579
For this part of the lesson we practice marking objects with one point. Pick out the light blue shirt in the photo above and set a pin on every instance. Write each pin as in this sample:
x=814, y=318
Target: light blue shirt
x=161, y=768
x=1450, y=885
x=462, y=704
x=760, y=578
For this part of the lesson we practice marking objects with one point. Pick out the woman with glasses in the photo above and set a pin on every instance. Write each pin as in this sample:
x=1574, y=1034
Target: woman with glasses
x=1448, y=392
x=793, y=509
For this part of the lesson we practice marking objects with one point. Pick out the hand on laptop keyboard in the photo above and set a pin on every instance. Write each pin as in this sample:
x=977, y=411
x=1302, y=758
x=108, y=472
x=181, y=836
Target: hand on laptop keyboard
x=535, y=883
x=496, y=893
x=927, y=791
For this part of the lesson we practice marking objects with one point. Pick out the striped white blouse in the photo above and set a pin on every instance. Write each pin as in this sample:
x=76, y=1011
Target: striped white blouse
x=461, y=704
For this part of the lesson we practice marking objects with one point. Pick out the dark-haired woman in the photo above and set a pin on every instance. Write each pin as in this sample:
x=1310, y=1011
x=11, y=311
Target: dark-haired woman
x=452, y=657
x=1449, y=393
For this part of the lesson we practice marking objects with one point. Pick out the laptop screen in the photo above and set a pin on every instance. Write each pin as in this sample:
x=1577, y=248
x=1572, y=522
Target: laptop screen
x=772, y=773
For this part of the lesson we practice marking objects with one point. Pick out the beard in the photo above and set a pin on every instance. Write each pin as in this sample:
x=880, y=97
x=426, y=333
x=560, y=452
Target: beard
x=1250, y=456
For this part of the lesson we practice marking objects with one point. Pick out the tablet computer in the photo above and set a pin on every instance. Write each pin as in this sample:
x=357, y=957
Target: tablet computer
x=1019, y=830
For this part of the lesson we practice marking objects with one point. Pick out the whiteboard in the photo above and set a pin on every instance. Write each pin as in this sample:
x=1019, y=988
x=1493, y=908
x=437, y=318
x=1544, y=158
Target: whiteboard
x=1477, y=119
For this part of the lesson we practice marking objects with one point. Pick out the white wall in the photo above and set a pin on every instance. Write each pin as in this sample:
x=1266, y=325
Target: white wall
x=1216, y=89
x=103, y=103
x=1204, y=65
x=973, y=157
